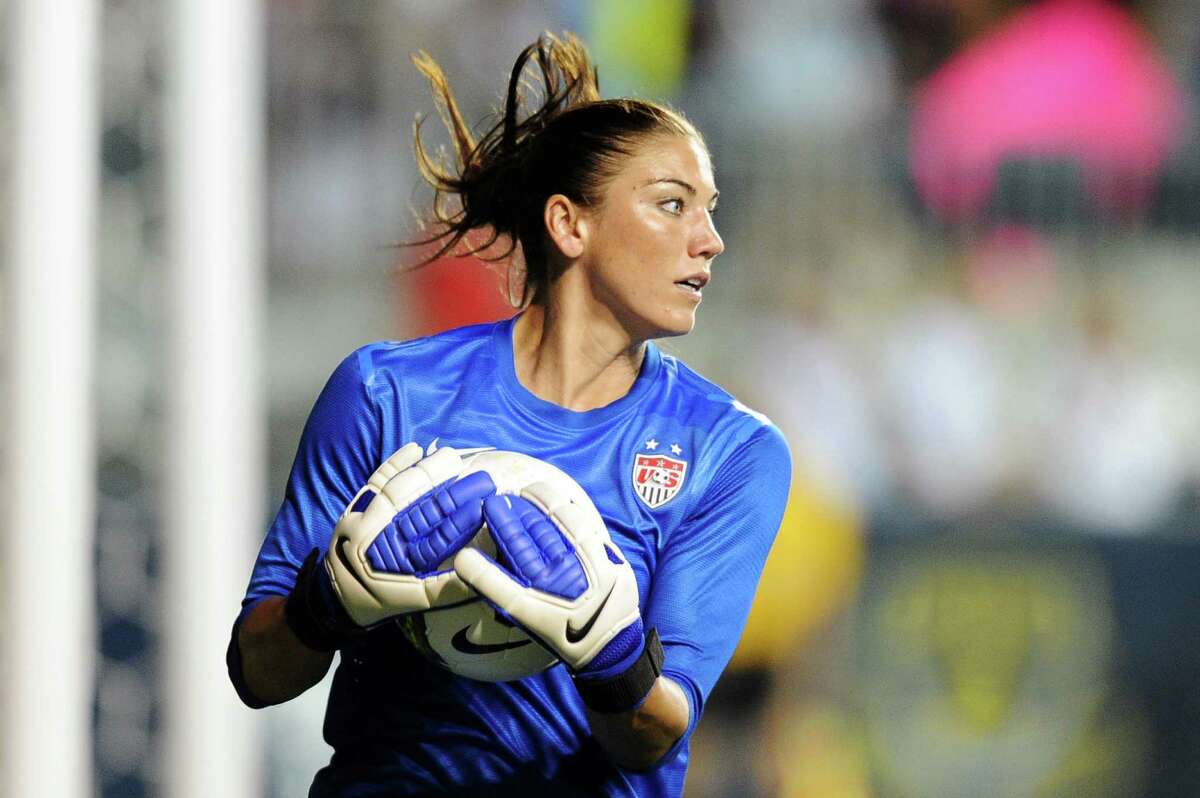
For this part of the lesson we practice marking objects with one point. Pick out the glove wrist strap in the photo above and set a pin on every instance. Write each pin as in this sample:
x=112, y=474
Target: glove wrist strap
x=313, y=612
x=628, y=689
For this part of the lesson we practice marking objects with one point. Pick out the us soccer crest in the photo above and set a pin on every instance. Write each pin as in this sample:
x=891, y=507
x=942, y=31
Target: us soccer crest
x=657, y=478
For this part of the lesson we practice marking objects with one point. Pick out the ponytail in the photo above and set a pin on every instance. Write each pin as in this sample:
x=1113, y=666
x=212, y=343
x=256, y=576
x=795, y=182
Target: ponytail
x=554, y=135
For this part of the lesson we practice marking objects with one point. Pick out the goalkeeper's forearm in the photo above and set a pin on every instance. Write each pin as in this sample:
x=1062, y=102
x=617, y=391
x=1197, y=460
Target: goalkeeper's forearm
x=638, y=739
x=276, y=666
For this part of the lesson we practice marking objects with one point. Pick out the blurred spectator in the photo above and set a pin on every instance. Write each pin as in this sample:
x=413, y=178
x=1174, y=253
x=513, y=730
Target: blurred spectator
x=1013, y=270
x=808, y=383
x=1119, y=442
x=942, y=395
x=818, y=66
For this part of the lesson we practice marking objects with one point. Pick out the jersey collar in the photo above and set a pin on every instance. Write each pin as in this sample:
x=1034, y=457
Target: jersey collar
x=556, y=414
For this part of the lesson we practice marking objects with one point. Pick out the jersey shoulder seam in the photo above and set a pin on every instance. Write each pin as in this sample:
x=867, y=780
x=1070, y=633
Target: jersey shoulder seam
x=696, y=383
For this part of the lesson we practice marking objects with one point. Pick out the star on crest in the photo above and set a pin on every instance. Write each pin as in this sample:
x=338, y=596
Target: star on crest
x=675, y=449
x=651, y=444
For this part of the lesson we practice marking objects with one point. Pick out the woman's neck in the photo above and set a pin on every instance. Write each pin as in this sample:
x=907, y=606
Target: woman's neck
x=575, y=362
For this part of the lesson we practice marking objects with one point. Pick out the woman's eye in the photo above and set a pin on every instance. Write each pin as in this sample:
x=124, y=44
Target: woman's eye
x=674, y=206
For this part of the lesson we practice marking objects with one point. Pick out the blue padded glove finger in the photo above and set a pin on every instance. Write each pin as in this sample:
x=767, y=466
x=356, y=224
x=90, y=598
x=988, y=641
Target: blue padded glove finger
x=563, y=580
x=422, y=536
x=537, y=553
x=542, y=582
x=386, y=553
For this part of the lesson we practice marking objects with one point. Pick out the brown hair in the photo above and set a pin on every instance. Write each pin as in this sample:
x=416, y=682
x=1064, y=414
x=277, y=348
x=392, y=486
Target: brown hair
x=571, y=142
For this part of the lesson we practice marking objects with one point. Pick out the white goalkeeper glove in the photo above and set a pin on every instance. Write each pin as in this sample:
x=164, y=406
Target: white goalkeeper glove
x=385, y=555
x=560, y=577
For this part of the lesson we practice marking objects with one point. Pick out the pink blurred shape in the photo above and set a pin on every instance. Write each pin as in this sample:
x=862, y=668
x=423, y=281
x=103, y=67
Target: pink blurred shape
x=1064, y=79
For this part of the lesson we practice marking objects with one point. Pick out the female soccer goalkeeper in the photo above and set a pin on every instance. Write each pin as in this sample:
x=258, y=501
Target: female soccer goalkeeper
x=609, y=204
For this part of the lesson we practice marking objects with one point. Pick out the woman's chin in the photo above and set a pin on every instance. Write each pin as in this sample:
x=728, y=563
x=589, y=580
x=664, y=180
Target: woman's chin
x=676, y=325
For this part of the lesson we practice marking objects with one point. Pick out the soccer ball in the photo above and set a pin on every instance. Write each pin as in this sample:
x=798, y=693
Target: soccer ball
x=470, y=639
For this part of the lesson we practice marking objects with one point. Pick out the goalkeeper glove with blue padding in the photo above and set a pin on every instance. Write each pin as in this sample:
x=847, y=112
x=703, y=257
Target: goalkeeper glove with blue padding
x=560, y=577
x=386, y=554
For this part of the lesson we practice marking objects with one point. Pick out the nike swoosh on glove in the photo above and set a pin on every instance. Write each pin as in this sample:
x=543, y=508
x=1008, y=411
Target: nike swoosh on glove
x=561, y=578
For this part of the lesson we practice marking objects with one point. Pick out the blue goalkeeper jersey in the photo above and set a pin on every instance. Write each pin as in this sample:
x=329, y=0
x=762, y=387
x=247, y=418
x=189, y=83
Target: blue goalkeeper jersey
x=691, y=483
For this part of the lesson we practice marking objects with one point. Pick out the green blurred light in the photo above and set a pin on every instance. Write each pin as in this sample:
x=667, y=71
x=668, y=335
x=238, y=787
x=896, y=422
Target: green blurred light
x=640, y=45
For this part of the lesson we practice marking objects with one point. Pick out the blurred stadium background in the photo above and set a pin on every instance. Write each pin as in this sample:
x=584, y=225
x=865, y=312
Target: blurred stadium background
x=962, y=273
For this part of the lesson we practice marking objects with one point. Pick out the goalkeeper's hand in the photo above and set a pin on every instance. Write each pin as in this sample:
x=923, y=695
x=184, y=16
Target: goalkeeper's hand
x=384, y=558
x=560, y=577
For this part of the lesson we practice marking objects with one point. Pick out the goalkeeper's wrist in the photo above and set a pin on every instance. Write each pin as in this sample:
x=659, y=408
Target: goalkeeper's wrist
x=314, y=613
x=626, y=689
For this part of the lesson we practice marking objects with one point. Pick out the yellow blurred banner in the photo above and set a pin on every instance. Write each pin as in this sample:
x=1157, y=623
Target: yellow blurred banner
x=812, y=572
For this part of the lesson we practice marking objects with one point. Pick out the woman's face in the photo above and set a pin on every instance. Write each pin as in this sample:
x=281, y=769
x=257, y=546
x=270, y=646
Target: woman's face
x=651, y=242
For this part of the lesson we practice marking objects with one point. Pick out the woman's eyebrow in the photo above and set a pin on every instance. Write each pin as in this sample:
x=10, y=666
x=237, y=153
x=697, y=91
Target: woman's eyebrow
x=691, y=190
x=686, y=185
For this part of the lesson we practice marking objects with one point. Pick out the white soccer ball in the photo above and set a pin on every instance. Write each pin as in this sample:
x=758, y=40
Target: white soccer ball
x=469, y=639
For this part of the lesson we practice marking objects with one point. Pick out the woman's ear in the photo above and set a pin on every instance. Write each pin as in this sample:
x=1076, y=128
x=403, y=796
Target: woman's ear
x=566, y=225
